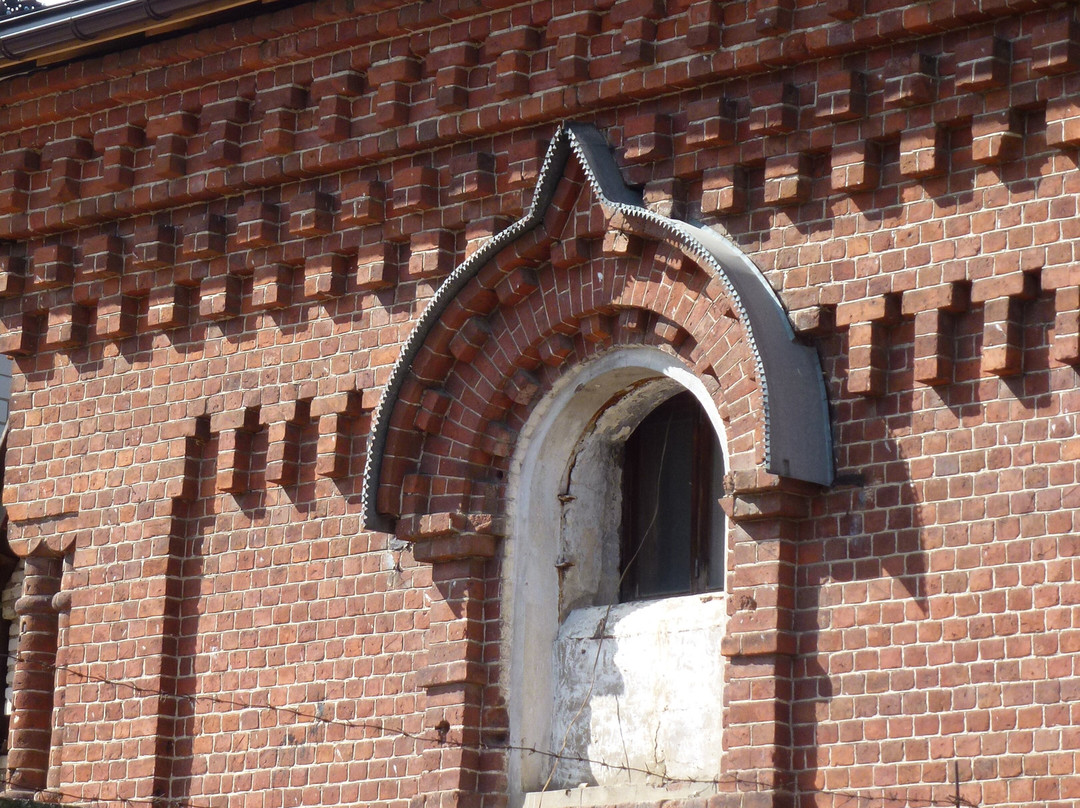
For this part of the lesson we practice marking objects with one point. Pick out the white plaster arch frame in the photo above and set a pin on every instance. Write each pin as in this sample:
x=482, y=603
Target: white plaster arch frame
x=539, y=474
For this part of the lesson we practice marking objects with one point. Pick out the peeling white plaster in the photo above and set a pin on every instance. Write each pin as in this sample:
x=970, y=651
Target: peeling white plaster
x=662, y=662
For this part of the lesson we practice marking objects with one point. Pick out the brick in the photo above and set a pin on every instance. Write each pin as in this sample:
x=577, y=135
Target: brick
x=52, y=266
x=924, y=152
x=272, y=287
x=710, y=123
x=220, y=297
x=774, y=109
x=362, y=203
x=415, y=189
x=997, y=136
x=256, y=224
x=787, y=180
x=431, y=255
x=647, y=139
x=1002, y=338
x=325, y=276
x=1062, y=122
x=723, y=190
x=855, y=166
x=841, y=96
x=982, y=64
x=774, y=16
x=153, y=247
x=311, y=214
x=911, y=81
x=1065, y=347
x=204, y=237
x=1055, y=45
x=704, y=21
x=867, y=359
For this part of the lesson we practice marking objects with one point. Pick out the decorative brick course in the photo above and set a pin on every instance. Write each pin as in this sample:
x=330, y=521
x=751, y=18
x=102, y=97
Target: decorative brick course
x=213, y=246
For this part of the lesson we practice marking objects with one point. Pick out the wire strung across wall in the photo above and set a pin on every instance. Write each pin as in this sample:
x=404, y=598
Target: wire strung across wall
x=860, y=800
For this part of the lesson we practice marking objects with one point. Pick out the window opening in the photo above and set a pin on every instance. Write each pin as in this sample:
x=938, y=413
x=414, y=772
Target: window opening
x=672, y=526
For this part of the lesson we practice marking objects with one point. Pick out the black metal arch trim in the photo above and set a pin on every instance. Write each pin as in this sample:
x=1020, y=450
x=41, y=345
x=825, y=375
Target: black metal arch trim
x=798, y=438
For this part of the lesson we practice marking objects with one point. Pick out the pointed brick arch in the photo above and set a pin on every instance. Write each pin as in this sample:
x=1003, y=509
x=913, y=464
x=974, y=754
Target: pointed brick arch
x=497, y=326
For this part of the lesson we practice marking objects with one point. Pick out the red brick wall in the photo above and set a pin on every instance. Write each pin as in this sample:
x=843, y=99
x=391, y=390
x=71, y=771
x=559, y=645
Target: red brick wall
x=214, y=246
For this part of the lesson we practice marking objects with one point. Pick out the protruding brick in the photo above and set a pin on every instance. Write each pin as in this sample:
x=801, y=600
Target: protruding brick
x=522, y=387
x=116, y=317
x=469, y=339
x=12, y=275
x=923, y=152
x=335, y=114
x=787, y=179
x=710, y=122
x=15, y=168
x=204, y=236
x=234, y=455
x=867, y=359
x=855, y=166
x=325, y=276
x=52, y=266
x=703, y=25
x=19, y=334
x=841, y=96
x=431, y=255
x=516, y=286
x=415, y=189
x=1065, y=347
x=723, y=190
x=219, y=297
x=997, y=136
x=223, y=140
x=375, y=267
x=169, y=307
x=272, y=286
x=472, y=176
x=433, y=407
x=774, y=109
x=843, y=9
x=311, y=214
x=911, y=81
x=1002, y=343
x=774, y=16
x=256, y=224
x=982, y=64
x=153, y=247
x=65, y=159
x=1063, y=122
x=102, y=257
x=636, y=42
x=1055, y=45
x=65, y=327
x=117, y=147
x=647, y=138
x=362, y=203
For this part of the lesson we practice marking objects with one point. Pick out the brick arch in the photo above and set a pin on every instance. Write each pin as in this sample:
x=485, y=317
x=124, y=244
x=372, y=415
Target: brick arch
x=422, y=465
x=528, y=346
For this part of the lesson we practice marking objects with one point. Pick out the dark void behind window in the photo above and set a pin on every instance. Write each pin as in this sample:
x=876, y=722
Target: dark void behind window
x=672, y=537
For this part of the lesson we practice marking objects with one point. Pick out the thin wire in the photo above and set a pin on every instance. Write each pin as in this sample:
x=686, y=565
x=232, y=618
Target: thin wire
x=741, y=780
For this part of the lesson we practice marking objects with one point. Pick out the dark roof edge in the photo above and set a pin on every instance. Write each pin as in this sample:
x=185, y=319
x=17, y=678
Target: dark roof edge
x=59, y=32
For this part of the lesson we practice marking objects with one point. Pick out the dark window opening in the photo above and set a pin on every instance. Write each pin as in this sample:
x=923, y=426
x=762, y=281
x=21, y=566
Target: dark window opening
x=672, y=536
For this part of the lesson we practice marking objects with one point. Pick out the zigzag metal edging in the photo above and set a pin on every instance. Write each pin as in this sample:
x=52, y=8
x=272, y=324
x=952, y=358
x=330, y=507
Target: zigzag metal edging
x=808, y=445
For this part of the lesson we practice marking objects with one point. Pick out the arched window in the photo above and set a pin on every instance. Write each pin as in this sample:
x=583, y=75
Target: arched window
x=672, y=525
x=615, y=567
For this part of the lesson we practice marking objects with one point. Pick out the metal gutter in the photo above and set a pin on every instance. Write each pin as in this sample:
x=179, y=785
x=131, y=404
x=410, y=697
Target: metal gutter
x=59, y=32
